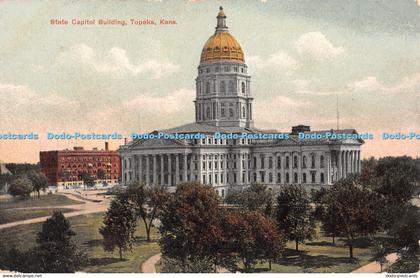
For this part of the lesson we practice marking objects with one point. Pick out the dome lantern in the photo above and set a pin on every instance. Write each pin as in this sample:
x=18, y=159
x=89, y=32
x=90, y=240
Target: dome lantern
x=221, y=21
x=222, y=46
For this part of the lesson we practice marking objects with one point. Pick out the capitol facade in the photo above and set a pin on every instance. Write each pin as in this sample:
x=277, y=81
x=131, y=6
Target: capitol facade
x=223, y=105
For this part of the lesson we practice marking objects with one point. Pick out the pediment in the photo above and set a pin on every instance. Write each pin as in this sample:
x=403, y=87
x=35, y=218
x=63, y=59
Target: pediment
x=149, y=143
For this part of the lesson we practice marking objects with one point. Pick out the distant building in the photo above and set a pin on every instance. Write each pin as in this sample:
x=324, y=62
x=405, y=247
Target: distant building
x=63, y=168
x=224, y=104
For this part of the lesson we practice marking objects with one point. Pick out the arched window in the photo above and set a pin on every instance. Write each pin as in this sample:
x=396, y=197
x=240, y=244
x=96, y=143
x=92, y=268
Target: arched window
x=231, y=86
x=243, y=87
x=287, y=177
x=279, y=162
x=295, y=161
x=222, y=87
x=304, y=177
x=278, y=178
x=322, y=161
x=270, y=177
x=322, y=177
x=287, y=162
x=304, y=162
x=243, y=112
x=313, y=177
x=313, y=161
x=208, y=113
x=295, y=178
x=207, y=87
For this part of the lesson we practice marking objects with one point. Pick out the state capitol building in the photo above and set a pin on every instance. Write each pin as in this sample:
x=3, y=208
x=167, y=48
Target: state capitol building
x=223, y=104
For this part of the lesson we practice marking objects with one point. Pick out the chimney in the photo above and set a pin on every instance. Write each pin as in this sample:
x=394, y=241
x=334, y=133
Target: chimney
x=300, y=128
x=106, y=146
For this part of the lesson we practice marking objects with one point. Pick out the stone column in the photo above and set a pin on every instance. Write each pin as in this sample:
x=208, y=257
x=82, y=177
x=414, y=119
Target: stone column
x=176, y=169
x=199, y=170
x=355, y=162
x=140, y=168
x=300, y=167
x=339, y=165
x=239, y=168
x=283, y=169
x=169, y=170
x=192, y=167
x=147, y=170
x=328, y=161
x=359, y=162
x=154, y=170
x=225, y=168
x=162, y=172
x=258, y=167
x=184, y=178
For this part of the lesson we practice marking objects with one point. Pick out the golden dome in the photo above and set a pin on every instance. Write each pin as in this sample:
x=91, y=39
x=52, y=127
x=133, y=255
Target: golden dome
x=222, y=45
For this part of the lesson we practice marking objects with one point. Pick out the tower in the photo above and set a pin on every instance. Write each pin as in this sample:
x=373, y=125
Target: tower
x=223, y=96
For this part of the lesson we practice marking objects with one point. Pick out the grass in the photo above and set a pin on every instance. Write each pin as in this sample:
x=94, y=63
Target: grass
x=43, y=201
x=320, y=256
x=7, y=216
x=89, y=239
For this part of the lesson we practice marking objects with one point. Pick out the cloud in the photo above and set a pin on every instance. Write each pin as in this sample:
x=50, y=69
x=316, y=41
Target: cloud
x=368, y=84
x=115, y=62
x=280, y=60
x=21, y=107
x=306, y=87
x=315, y=46
x=161, y=105
x=406, y=85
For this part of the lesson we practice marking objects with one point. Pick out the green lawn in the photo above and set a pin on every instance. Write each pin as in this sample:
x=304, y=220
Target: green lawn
x=43, y=201
x=89, y=239
x=319, y=256
x=11, y=215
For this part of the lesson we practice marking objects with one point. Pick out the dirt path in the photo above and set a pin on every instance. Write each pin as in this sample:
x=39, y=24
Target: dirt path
x=149, y=265
x=88, y=207
x=375, y=267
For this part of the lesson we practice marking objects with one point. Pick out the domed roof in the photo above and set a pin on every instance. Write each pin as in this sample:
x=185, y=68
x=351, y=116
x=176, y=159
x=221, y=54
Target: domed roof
x=222, y=45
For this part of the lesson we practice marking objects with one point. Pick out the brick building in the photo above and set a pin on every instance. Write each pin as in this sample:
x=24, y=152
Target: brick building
x=62, y=168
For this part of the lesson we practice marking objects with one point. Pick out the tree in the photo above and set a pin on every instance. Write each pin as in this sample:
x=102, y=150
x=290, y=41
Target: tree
x=39, y=181
x=328, y=220
x=190, y=225
x=149, y=203
x=256, y=197
x=251, y=236
x=407, y=262
x=404, y=227
x=395, y=178
x=119, y=227
x=21, y=186
x=56, y=252
x=88, y=180
x=294, y=216
x=379, y=254
x=355, y=209
x=18, y=169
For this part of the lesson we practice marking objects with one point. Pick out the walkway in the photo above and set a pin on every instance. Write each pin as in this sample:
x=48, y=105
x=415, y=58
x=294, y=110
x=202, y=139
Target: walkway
x=375, y=267
x=95, y=204
x=149, y=265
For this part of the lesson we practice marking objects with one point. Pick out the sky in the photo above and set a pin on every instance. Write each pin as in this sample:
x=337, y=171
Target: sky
x=302, y=55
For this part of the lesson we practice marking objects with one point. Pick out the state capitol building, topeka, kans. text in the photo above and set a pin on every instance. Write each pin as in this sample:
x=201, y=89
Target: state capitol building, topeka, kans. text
x=223, y=104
